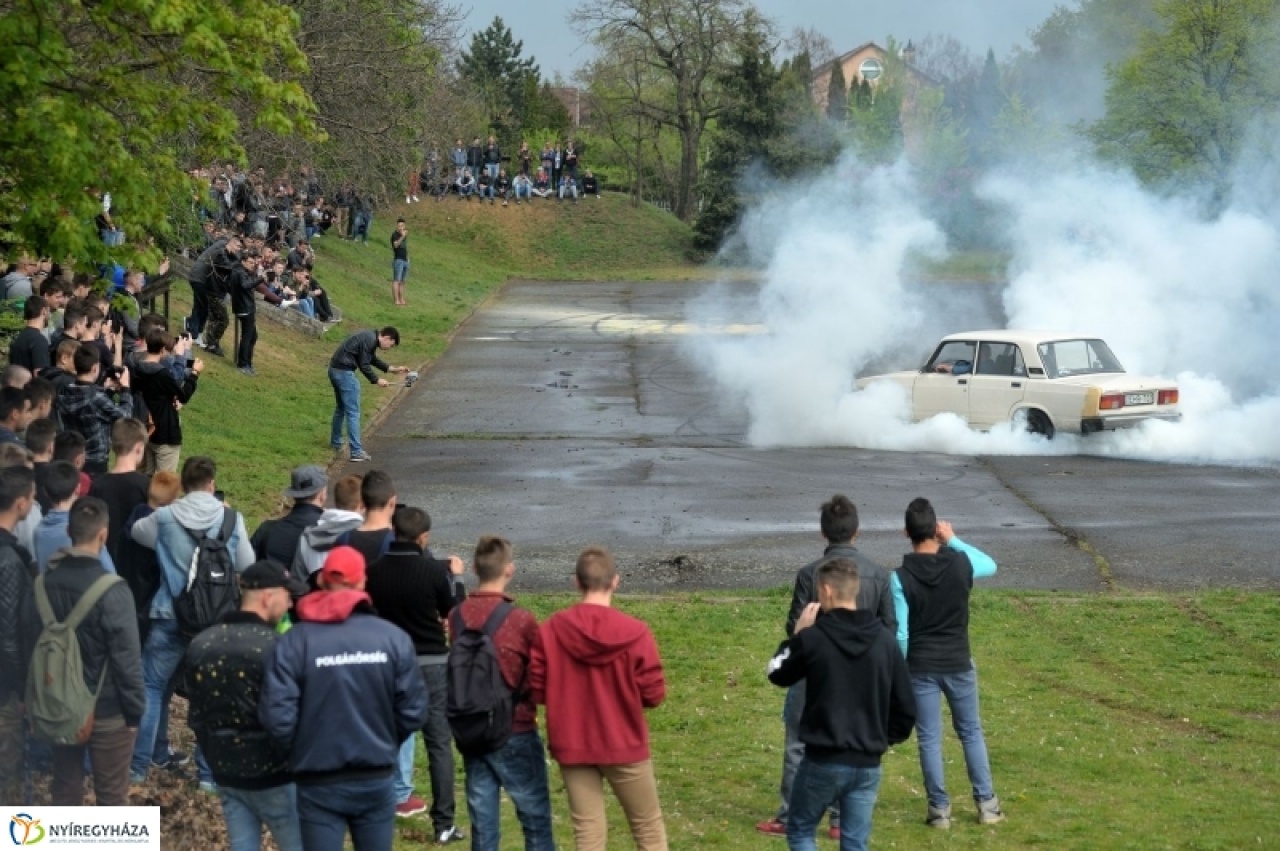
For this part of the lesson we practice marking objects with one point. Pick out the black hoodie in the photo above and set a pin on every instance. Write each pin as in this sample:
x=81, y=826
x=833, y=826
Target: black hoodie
x=936, y=587
x=858, y=698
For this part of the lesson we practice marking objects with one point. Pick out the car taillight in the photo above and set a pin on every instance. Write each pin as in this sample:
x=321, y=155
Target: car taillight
x=1111, y=402
x=1168, y=397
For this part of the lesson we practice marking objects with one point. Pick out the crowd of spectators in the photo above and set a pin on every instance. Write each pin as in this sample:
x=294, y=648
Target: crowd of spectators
x=482, y=171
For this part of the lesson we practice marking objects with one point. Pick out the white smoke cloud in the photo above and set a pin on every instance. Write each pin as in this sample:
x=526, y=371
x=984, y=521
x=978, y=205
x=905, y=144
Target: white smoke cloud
x=1172, y=292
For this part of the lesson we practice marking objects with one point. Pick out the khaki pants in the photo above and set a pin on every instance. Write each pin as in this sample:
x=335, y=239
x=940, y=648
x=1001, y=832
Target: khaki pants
x=110, y=751
x=11, y=742
x=167, y=458
x=637, y=791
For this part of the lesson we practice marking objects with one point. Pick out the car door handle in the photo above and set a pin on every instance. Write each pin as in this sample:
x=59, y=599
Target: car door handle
x=963, y=381
x=1016, y=384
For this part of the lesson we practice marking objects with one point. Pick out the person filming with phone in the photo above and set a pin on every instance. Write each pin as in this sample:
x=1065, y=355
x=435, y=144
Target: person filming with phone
x=164, y=395
x=91, y=409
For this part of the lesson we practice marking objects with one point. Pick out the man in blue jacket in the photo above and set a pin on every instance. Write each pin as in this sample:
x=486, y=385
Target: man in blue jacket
x=931, y=595
x=342, y=690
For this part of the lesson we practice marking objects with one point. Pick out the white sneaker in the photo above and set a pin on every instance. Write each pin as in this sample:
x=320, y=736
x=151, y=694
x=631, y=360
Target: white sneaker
x=415, y=197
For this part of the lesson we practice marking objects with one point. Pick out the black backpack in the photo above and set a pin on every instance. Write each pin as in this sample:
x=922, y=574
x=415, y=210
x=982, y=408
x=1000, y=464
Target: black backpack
x=480, y=703
x=213, y=589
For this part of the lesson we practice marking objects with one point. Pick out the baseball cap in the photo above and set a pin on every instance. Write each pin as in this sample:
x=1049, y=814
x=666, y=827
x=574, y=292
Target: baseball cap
x=344, y=565
x=262, y=575
x=306, y=482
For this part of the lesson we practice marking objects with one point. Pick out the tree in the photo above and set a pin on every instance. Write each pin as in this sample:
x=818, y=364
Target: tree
x=837, y=94
x=121, y=95
x=988, y=101
x=875, y=119
x=1179, y=109
x=378, y=81
x=743, y=135
x=683, y=42
x=507, y=82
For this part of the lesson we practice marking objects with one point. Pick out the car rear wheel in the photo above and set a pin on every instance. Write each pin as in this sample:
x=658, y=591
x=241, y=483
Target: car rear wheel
x=1038, y=422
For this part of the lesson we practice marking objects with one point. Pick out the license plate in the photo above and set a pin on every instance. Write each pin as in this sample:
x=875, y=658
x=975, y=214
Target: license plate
x=1139, y=398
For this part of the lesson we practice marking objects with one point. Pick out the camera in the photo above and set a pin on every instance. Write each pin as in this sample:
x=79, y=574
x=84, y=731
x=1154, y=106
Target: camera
x=114, y=372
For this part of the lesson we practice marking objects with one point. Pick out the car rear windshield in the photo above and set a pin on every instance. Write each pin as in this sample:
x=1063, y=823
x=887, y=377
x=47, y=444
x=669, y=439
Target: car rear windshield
x=1065, y=358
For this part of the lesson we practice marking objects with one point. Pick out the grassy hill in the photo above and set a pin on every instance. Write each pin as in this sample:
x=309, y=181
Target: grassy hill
x=259, y=428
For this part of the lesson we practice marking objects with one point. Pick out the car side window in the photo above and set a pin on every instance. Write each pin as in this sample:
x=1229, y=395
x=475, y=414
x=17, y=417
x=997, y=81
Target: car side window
x=1000, y=359
x=954, y=357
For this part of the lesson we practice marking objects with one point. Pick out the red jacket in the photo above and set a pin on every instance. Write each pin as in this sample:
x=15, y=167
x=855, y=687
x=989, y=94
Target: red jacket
x=596, y=670
x=514, y=639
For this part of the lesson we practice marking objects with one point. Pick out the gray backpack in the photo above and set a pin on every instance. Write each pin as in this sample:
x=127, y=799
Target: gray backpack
x=60, y=705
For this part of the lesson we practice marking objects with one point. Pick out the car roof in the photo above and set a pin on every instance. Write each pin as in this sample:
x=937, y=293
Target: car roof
x=1021, y=337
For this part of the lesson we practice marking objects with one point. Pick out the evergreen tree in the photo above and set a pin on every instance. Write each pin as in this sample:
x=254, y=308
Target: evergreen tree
x=743, y=136
x=507, y=82
x=988, y=102
x=837, y=93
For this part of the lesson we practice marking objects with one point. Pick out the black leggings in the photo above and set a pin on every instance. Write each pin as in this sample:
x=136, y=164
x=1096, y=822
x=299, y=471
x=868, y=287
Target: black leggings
x=248, y=339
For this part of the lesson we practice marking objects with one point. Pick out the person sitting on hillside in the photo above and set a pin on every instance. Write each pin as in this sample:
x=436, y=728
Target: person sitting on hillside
x=541, y=184
x=465, y=184
x=590, y=186
x=522, y=187
x=568, y=186
x=484, y=187
x=502, y=186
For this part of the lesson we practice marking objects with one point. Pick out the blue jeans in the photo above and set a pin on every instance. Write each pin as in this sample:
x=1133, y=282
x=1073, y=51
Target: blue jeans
x=160, y=659
x=404, y=768
x=365, y=807
x=246, y=810
x=305, y=306
x=820, y=784
x=492, y=169
x=523, y=191
x=346, y=393
x=360, y=226
x=399, y=269
x=961, y=691
x=520, y=767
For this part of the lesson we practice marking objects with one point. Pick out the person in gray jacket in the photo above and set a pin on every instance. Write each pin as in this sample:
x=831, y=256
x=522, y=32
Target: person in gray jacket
x=172, y=532
x=838, y=519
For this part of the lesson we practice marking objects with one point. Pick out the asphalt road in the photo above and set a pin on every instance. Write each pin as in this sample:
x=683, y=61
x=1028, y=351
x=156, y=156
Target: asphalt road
x=564, y=415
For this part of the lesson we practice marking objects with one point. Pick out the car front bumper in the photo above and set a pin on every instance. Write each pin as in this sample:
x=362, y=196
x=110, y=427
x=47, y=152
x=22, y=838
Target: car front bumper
x=1089, y=425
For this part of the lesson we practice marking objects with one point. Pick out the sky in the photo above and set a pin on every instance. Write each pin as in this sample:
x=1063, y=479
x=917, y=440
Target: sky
x=999, y=24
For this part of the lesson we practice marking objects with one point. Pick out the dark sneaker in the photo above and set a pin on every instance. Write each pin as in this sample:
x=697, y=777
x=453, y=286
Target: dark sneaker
x=361, y=456
x=216, y=351
x=989, y=811
x=173, y=762
x=450, y=834
x=411, y=807
x=248, y=370
x=772, y=827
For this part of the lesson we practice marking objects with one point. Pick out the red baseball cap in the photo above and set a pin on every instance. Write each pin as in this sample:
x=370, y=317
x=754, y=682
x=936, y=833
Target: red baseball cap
x=344, y=565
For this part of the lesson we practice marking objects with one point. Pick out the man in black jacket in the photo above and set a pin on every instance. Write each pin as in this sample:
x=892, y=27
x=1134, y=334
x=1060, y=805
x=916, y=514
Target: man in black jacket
x=342, y=690
x=18, y=624
x=30, y=346
x=416, y=593
x=108, y=638
x=243, y=286
x=277, y=539
x=359, y=351
x=164, y=395
x=224, y=669
x=208, y=278
x=838, y=519
x=859, y=703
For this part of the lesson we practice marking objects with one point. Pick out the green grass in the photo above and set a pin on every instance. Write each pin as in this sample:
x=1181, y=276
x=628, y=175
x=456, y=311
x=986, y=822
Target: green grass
x=986, y=267
x=258, y=429
x=1112, y=722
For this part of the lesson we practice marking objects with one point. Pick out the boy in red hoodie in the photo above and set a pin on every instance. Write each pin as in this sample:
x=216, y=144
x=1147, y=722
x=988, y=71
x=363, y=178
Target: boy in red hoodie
x=594, y=651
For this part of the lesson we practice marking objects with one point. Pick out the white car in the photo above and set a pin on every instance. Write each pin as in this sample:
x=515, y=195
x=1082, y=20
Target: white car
x=1052, y=382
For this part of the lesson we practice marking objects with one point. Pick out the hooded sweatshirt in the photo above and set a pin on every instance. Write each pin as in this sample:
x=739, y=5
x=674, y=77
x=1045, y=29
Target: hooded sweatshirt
x=172, y=531
x=342, y=690
x=317, y=540
x=931, y=595
x=858, y=696
x=596, y=670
